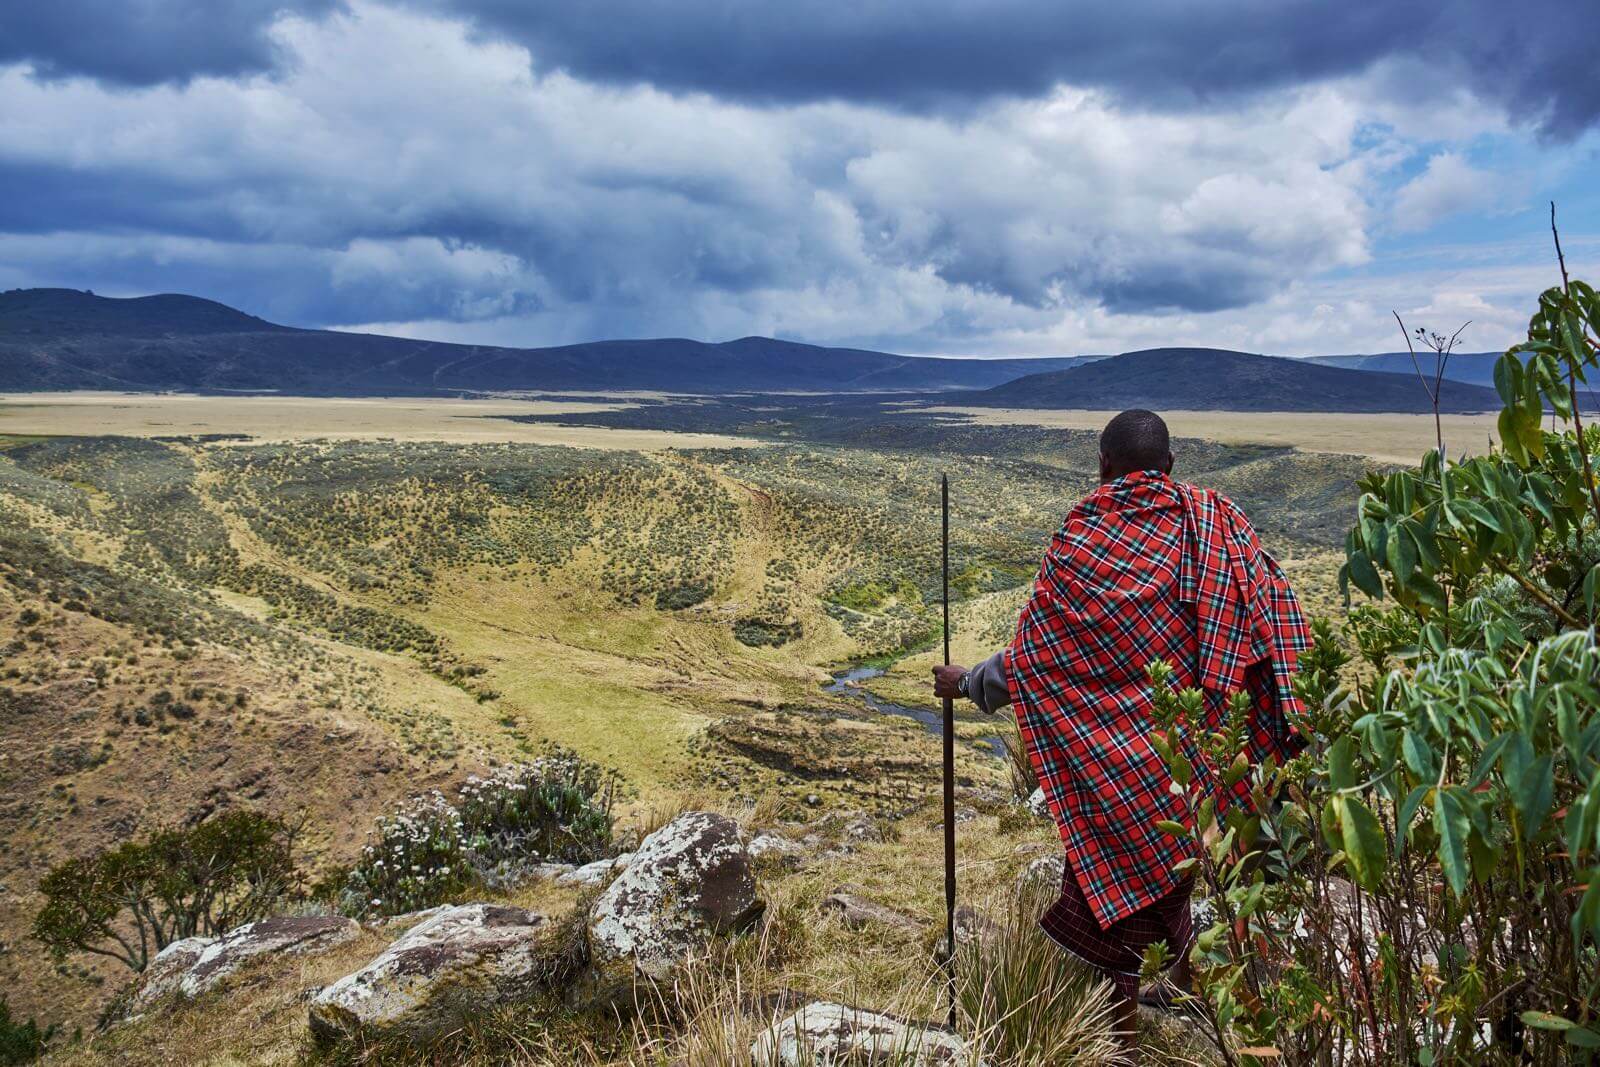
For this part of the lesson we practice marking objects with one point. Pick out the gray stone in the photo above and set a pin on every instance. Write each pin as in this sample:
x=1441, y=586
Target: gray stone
x=593, y=874
x=827, y=1034
x=459, y=961
x=689, y=881
x=1042, y=877
x=1038, y=805
x=196, y=964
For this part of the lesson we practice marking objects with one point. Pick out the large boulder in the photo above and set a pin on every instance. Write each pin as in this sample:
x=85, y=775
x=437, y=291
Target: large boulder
x=825, y=1034
x=196, y=964
x=459, y=961
x=688, y=881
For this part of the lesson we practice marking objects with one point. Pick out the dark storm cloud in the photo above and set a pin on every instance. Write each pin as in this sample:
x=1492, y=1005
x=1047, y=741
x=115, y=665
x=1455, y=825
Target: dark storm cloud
x=1164, y=53
x=144, y=42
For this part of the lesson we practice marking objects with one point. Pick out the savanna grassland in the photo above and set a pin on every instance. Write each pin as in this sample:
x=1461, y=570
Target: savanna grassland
x=321, y=626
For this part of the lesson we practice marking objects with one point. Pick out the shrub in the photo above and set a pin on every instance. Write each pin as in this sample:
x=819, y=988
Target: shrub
x=556, y=809
x=130, y=902
x=21, y=1042
x=416, y=860
x=1428, y=890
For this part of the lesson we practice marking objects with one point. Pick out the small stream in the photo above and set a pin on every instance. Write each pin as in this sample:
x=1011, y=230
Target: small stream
x=848, y=683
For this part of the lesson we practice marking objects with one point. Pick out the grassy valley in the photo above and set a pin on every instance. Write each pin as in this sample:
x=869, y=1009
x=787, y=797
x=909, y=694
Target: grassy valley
x=322, y=628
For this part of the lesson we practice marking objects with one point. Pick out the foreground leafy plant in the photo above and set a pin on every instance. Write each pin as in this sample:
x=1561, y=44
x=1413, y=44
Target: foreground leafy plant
x=1423, y=883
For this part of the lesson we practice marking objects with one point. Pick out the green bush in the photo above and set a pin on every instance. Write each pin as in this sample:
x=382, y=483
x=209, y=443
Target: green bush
x=556, y=809
x=21, y=1042
x=130, y=902
x=417, y=859
x=1428, y=889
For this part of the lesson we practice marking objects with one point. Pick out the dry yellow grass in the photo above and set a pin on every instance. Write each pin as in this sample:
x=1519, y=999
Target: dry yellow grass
x=293, y=418
x=1392, y=438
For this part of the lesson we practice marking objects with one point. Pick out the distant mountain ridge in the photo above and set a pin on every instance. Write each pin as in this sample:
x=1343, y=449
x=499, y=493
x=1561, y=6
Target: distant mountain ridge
x=1223, y=380
x=67, y=339
x=1475, y=368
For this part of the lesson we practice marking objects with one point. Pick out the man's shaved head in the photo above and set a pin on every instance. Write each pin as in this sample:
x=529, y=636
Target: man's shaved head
x=1136, y=440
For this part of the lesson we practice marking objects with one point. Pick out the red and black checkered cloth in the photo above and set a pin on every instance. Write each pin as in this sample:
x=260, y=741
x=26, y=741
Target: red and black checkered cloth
x=1144, y=568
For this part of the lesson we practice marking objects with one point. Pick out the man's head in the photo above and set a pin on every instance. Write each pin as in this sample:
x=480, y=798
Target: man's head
x=1134, y=441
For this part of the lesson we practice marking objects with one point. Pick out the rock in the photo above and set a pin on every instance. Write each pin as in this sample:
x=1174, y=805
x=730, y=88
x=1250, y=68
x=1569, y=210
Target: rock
x=689, y=881
x=851, y=826
x=813, y=801
x=965, y=814
x=460, y=961
x=1031, y=848
x=592, y=874
x=1037, y=803
x=971, y=925
x=828, y=1034
x=774, y=848
x=858, y=912
x=195, y=964
x=1042, y=876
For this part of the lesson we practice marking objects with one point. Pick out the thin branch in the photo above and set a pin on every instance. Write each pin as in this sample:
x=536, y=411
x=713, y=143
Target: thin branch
x=1415, y=365
x=1572, y=381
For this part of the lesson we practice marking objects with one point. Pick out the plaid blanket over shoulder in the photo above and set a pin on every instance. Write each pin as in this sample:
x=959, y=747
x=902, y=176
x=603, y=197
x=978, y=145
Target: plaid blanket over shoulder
x=1144, y=568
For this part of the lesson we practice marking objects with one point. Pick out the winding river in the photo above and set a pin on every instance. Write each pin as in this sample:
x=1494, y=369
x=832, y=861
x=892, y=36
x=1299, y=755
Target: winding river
x=848, y=683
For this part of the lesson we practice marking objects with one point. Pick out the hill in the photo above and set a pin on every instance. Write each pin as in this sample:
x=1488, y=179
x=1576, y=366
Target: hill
x=1474, y=368
x=1218, y=379
x=66, y=339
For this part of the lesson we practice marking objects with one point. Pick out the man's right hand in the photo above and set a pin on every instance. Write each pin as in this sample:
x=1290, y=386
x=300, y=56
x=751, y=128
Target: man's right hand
x=947, y=682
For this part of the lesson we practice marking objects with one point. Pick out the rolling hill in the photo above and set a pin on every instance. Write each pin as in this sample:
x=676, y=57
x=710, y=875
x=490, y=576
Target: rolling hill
x=67, y=339
x=1218, y=379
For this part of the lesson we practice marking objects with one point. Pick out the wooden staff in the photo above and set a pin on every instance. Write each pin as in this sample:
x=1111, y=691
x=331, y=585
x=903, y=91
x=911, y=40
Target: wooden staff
x=949, y=767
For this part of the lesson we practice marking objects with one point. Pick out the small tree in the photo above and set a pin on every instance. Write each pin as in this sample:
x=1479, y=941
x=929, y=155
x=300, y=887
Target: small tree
x=130, y=902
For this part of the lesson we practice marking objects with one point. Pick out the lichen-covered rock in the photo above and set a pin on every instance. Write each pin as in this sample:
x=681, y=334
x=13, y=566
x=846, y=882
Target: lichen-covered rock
x=1038, y=805
x=689, y=881
x=1042, y=877
x=196, y=964
x=825, y=1033
x=775, y=848
x=457, y=962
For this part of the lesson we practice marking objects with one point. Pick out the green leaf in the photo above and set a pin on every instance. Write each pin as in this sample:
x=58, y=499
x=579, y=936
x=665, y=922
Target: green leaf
x=1408, y=811
x=1418, y=756
x=1364, y=574
x=1583, y=1037
x=1533, y=794
x=1364, y=845
x=1591, y=589
x=1402, y=553
x=1543, y=1020
x=1176, y=829
x=1341, y=763
x=1451, y=823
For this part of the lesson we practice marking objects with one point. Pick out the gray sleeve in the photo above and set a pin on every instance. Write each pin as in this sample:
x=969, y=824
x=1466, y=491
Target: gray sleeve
x=987, y=684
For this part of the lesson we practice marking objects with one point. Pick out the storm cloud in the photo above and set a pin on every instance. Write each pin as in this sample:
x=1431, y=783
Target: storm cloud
x=926, y=177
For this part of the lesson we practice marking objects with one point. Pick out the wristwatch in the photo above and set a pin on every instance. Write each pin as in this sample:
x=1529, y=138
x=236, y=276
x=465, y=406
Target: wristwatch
x=962, y=685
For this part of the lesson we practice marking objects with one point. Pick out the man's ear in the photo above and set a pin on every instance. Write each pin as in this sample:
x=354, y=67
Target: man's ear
x=1168, y=468
x=1105, y=468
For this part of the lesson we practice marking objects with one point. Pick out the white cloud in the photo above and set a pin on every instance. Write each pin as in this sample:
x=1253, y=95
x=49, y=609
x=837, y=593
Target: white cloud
x=1448, y=186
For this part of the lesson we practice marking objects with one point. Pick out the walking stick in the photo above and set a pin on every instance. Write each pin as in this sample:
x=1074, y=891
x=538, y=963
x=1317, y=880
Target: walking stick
x=949, y=767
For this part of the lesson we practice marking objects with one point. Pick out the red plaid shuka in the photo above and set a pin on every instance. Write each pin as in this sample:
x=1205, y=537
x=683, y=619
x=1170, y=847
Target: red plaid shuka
x=1144, y=568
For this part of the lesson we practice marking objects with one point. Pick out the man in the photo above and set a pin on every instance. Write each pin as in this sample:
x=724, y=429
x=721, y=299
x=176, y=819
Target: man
x=1144, y=568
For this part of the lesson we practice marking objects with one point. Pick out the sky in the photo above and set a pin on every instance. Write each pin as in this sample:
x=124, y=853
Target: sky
x=1010, y=177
